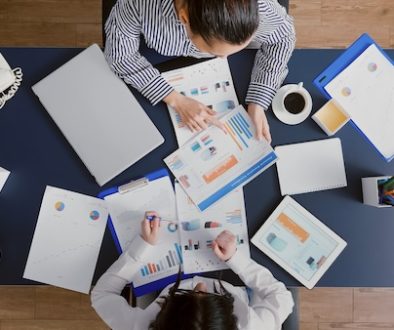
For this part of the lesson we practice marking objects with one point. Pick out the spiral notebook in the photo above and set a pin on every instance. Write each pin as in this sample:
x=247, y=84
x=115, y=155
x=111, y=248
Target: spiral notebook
x=310, y=166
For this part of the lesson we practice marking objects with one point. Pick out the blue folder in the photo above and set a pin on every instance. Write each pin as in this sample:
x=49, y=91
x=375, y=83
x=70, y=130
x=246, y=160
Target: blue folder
x=152, y=286
x=345, y=59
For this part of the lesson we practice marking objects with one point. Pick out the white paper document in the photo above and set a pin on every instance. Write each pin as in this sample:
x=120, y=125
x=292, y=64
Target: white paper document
x=365, y=89
x=210, y=83
x=67, y=240
x=3, y=177
x=198, y=229
x=310, y=166
x=215, y=162
x=127, y=210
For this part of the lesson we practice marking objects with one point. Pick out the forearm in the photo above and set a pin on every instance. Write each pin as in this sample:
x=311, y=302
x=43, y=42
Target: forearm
x=123, y=30
x=105, y=296
x=270, y=67
x=269, y=296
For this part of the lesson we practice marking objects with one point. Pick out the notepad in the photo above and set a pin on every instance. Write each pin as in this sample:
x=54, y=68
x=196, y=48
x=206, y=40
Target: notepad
x=310, y=166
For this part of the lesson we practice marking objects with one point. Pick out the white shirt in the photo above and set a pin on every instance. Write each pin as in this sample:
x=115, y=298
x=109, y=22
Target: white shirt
x=269, y=305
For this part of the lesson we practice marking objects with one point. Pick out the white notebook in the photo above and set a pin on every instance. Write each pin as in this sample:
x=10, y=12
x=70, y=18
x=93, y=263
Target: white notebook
x=310, y=166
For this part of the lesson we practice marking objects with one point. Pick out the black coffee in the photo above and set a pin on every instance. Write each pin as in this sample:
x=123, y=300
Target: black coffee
x=294, y=103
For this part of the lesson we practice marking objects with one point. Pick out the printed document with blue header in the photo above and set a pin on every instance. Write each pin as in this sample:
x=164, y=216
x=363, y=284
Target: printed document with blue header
x=217, y=161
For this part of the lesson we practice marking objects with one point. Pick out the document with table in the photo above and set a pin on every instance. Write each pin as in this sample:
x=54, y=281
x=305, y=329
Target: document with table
x=217, y=161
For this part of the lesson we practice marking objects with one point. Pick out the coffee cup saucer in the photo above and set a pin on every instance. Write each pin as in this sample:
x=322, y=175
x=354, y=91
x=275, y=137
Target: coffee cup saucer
x=285, y=116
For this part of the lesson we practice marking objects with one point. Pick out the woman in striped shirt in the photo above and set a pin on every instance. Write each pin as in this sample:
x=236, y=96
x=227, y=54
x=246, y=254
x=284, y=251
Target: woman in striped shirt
x=201, y=28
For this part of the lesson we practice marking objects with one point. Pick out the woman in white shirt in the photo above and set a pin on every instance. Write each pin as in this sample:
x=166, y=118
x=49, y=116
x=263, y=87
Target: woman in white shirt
x=197, y=303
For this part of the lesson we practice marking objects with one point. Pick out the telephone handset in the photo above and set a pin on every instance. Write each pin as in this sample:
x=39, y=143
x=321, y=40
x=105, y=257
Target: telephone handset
x=10, y=80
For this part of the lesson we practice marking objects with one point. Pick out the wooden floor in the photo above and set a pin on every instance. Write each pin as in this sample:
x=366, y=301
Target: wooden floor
x=77, y=23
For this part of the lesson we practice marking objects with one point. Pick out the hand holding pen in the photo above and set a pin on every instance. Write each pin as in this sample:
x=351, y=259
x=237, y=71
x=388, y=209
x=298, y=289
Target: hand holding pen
x=150, y=227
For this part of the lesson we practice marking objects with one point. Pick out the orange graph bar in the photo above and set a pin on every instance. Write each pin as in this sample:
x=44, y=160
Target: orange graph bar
x=219, y=170
x=150, y=268
x=231, y=132
x=291, y=226
x=154, y=268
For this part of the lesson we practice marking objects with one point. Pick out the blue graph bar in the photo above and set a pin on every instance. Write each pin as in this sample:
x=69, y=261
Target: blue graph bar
x=236, y=131
x=240, y=123
x=142, y=272
x=243, y=120
x=146, y=270
x=178, y=249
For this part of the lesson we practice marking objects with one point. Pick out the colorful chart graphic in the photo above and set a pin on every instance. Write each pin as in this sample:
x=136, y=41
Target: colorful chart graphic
x=206, y=139
x=212, y=224
x=234, y=217
x=192, y=245
x=59, y=206
x=172, y=227
x=238, y=128
x=346, y=91
x=372, y=67
x=171, y=259
x=191, y=225
x=194, y=91
x=224, y=106
x=204, y=90
x=239, y=240
x=94, y=215
x=277, y=243
x=175, y=163
x=195, y=146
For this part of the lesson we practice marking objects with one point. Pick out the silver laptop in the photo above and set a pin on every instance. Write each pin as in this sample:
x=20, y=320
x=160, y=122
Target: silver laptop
x=98, y=115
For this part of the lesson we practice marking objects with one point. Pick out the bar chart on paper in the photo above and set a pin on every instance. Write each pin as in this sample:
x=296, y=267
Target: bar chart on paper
x=198, y=230
x=239, y=130
x=171, y=259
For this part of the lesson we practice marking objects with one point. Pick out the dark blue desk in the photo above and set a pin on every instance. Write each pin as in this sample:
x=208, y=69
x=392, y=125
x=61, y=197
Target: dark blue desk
x=36, y=153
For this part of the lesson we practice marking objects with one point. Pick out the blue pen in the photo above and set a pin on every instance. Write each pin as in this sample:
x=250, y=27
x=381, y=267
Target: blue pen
x=152, y=217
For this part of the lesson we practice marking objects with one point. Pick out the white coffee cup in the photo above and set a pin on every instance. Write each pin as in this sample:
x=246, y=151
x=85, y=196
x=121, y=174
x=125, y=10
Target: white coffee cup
x=292, y=104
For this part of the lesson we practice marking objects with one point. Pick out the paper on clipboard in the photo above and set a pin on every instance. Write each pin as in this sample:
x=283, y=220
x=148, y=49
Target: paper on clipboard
x=127, y=210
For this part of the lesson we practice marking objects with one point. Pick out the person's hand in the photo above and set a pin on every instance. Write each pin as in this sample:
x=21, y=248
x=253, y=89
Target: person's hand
x=195, y=115
x=150, y=228
x=224, y=245
x=257, y=114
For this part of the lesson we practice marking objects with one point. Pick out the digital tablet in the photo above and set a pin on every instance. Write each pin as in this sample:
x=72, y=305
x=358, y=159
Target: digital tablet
x=298, y=242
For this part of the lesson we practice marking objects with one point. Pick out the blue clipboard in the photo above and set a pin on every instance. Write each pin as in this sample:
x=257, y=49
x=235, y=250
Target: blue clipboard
x=345, y=59
x=155, y=285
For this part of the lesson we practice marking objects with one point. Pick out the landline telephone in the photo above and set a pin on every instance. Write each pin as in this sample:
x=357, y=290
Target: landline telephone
x=10, y=80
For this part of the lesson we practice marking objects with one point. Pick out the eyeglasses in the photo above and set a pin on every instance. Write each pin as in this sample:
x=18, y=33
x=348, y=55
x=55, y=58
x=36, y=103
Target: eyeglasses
x=193, y=292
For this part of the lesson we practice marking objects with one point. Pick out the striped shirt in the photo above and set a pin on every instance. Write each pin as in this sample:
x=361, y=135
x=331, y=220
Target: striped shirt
x=158, y=23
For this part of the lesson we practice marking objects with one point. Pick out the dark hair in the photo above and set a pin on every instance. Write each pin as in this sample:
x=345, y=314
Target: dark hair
x=233, y=21
x=189, y=310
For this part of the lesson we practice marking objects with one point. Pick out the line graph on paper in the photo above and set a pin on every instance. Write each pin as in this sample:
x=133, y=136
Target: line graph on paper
x=67, y=240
